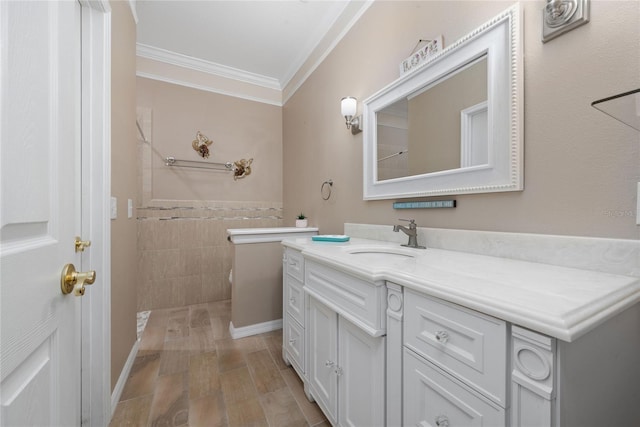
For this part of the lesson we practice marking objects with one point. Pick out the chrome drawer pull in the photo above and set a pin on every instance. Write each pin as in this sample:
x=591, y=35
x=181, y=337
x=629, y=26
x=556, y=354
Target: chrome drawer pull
x=292, y=300
x=328, y=363
x=292, y=341
x=442, y=336
x=338, y=371
x=442, y=421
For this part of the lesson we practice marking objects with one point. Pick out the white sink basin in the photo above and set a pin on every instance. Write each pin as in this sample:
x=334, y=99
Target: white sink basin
x=382, y=254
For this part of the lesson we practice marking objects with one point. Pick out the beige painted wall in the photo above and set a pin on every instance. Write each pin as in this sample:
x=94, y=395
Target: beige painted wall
x=257, y=283
x=238, y=128
x=580, y=166
x=124, y=257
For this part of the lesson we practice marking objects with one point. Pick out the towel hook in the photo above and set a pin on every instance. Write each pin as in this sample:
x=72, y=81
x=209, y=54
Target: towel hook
x=328, y=182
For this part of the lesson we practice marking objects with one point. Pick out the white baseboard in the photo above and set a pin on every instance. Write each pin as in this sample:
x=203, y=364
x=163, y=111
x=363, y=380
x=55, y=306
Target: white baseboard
x=258, y=328
x=126, y=369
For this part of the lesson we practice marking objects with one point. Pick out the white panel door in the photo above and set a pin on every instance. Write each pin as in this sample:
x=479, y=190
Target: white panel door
x=39, y=211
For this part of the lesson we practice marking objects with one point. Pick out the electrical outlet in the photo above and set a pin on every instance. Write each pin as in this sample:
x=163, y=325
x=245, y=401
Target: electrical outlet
x=129, y=208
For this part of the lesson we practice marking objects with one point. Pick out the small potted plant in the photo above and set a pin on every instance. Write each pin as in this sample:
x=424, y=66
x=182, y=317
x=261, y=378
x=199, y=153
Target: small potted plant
x=301, y=222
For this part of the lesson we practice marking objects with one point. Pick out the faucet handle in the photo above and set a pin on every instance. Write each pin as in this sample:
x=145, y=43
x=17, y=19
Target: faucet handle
x=412, y=222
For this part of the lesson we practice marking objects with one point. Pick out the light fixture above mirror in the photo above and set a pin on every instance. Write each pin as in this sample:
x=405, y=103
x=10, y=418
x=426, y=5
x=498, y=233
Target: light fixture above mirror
x=349, y=108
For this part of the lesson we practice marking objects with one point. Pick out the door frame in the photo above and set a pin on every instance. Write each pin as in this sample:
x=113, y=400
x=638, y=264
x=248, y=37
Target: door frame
x=96, y=222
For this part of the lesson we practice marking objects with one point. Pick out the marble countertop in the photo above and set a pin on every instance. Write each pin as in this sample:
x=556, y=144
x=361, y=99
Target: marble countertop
x=561, y=302
x=268, y=234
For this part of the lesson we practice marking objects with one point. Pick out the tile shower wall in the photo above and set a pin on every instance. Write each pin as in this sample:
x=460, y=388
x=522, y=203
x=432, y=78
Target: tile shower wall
x=184, y=255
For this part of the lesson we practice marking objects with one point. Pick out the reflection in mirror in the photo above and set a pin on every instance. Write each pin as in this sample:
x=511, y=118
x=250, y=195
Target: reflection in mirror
x=440, y=127
x=453, y=125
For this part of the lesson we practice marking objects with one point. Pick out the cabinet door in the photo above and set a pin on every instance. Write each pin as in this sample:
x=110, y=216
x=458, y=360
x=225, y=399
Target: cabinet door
x=470, y=345
x=323, y=329
x=294, y=264
x=293, y=337
x=434, y=399
x=361, y=374
x=294, y=299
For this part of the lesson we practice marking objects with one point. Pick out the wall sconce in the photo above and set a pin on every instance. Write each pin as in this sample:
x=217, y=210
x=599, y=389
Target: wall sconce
x=349, y=106
x=560, y=16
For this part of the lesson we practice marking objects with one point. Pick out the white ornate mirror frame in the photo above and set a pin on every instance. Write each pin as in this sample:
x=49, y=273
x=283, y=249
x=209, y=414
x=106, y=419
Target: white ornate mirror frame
x=500, y=41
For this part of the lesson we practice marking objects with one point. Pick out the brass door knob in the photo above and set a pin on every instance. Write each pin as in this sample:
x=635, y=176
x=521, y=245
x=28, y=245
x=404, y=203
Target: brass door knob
x=72, y=280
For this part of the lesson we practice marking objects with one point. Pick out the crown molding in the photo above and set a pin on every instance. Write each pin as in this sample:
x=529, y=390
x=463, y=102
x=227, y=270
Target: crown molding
x=317, y=42
x=207, y=88
x=189, y=62
x=300, y=71
x=324, y=47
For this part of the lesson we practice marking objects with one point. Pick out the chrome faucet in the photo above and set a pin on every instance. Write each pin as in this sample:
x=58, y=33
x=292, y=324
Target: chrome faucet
x=410, y=231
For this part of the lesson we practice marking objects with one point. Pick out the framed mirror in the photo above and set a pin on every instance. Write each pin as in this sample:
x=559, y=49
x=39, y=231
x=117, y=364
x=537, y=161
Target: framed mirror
x=453, y=125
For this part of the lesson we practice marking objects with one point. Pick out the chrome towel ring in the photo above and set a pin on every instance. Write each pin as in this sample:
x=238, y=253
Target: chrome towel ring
x=329, y=184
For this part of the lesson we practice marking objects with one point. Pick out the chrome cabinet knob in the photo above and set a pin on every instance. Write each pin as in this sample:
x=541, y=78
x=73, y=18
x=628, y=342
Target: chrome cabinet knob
x=442, y=421
x=442, y=336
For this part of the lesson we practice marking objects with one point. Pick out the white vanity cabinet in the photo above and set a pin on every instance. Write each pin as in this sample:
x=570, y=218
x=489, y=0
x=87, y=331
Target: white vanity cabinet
x=460, y=367
x=448, y=338
x=294, y=307
x=454, y=364
x=346, y=371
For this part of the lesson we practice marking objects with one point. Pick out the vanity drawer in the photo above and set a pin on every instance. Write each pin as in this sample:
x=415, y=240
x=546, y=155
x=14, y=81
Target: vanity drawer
x=294, y=299
x=294, y=264
x=293, y=342
x=432, y=398
x=470, y=345
x=362, y=303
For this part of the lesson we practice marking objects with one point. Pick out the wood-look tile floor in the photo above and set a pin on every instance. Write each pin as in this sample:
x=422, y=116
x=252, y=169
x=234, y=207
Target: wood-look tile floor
x=190, y=372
